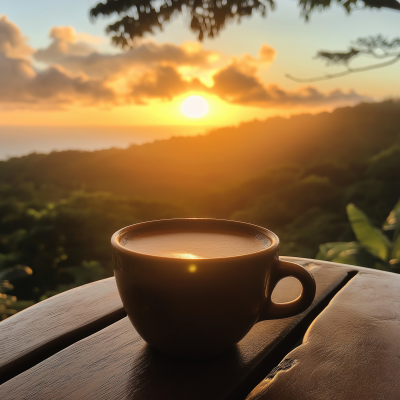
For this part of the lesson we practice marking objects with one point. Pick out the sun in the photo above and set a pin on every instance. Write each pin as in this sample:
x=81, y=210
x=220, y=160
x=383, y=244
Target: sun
x=194, y=107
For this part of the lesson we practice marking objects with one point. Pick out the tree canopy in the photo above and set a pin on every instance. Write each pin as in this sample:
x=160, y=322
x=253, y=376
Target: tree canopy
x=135, y=18
x=207, y=17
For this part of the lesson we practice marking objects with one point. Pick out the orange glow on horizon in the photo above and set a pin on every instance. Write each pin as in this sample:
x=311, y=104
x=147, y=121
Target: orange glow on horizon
x=155, y=112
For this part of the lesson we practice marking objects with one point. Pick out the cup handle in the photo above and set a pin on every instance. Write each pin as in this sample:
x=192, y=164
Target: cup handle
x=273, y=310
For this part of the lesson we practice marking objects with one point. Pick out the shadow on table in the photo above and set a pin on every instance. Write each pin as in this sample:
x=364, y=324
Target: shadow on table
x=230, y=376
x=157, y=376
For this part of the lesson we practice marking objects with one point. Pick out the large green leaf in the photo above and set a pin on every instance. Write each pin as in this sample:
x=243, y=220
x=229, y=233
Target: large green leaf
x=368, y=236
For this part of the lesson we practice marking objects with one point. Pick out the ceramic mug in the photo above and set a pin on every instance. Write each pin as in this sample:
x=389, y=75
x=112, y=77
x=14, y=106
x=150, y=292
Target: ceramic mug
x=200, y=308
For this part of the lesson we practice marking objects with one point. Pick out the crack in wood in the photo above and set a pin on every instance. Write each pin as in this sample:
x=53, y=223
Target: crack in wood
x=284, y=365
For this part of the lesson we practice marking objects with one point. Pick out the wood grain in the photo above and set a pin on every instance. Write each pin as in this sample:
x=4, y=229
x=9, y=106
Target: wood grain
x=40, y=331
x=115, y=363
x=351, y=351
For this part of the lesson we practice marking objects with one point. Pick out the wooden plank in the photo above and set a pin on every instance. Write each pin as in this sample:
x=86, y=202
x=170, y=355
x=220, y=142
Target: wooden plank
x=40, y=331
x=351, y=351
x=115, y=363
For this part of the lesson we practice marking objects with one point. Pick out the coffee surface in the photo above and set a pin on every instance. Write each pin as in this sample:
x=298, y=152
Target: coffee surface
x=195, y=245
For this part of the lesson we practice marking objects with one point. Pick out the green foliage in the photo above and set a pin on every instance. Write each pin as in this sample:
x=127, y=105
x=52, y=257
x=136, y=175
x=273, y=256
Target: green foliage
x=373, y=248
x=368, y=236
x=385, y=165
x=294, y=176
x=184, y=168
x=392, y=223
x=8, y=303
x=65, y=242
x=89, y=271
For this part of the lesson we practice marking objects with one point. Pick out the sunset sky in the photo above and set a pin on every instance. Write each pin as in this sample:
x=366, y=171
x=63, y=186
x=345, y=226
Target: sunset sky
x=58, y=68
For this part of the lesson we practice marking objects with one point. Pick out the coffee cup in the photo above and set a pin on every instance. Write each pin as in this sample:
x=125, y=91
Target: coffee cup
x=194, y=287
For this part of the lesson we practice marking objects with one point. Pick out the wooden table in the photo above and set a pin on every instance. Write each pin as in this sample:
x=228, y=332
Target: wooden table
x=80, y=345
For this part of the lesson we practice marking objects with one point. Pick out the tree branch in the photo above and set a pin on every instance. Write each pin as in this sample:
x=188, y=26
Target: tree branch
x=391, y=4
x=344, y=73
x=136, y=18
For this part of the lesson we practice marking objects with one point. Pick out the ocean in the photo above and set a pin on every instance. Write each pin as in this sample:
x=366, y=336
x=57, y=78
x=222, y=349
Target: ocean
x=17, y=141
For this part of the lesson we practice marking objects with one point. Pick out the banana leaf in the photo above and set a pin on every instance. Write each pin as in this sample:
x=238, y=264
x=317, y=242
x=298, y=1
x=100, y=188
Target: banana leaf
x=372, y=239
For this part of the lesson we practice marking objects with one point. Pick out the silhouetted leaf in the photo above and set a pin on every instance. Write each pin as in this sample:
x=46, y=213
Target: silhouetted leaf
x=207, y=17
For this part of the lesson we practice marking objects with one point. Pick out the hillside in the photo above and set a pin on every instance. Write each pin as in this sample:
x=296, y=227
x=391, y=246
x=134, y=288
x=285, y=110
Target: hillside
x=294, y=176
x=187, y=167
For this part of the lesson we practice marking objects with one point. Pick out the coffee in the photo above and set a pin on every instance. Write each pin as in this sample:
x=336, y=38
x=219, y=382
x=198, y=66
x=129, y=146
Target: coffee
x=189, y=244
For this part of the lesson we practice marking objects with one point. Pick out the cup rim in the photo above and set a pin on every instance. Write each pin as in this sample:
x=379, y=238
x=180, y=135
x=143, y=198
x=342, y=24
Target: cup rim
x=273, y=247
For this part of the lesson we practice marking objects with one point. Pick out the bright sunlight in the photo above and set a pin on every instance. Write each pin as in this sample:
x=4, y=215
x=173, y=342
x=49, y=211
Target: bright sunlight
x=194, y=107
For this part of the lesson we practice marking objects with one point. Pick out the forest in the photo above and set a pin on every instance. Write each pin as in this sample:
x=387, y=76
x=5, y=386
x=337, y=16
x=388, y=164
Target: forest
x=296, y=176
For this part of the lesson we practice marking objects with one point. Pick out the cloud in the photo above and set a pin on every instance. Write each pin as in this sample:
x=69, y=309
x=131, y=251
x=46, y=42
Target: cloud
x=266, y=54
x=236, y=84
x=20, y=83
x=12, y=43
x=65, y=43
x=55, y=84
x=164, y=82
x=239, y=84
x=79, y=56
x=76, y=72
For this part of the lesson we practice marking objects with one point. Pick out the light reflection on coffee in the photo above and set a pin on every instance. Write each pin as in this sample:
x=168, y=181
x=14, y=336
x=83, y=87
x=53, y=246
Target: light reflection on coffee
x=196, y=245
x=187, y=256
